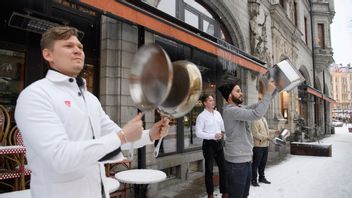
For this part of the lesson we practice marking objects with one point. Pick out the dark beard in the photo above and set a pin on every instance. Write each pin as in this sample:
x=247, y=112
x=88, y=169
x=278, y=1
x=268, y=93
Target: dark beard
x=235, y=100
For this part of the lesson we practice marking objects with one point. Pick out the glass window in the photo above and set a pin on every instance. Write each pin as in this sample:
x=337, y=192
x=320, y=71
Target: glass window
x=88, y=75
x=169, y=143
x=168, y=6
x=321, y=35
x=11, y=78
x=191, y=19
x=190, y=138
x=198, y=7
x=194, y=14
x=182, y=135
x=208, y=28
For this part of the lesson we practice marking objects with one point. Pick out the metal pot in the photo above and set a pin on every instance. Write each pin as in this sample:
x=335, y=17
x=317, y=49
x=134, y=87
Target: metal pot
x=185, y=90
x=155, y=83
x=281, y=140
x=150, y=78
x=285, y=76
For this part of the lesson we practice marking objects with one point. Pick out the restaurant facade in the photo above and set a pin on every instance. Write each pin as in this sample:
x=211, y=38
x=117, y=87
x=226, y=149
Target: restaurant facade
x=225, y=39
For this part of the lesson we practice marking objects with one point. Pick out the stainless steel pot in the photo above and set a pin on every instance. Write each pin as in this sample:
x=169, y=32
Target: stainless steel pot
x=285, y=76
x=155, y=83
x=185, y=90
x=281, y=140
x=150, y=78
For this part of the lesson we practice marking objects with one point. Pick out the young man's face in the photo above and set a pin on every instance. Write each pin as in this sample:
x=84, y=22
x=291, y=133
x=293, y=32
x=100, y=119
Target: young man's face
x=236, y=95
x=209, y=103
x=66, y=56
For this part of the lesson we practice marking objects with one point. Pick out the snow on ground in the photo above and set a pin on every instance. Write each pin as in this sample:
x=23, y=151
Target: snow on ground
x=311, y=176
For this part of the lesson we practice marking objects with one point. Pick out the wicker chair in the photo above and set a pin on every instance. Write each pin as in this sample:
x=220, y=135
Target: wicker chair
x=10, y=156
x=15, y=139
x=109, y=169
x=4, y=125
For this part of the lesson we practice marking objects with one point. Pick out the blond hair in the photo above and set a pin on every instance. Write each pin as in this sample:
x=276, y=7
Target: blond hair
x=57, y=33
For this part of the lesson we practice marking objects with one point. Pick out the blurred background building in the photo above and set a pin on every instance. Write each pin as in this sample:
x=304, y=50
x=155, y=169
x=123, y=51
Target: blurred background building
x=341, y=91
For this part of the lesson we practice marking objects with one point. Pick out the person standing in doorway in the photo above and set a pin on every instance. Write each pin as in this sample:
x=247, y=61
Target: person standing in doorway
x=239, y=141
x=261, y=137
x=210, y=128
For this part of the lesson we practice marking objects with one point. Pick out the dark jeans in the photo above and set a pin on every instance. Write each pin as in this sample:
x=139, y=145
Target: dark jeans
x=238, y=179
x=260, y=156
x=213, y=149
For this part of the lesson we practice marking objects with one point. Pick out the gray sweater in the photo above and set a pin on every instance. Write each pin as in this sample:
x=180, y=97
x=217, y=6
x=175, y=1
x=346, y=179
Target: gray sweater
x=239, y=139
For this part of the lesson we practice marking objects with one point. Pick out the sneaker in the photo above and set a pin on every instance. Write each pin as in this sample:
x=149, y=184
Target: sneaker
x=264, y=180
x=255, y=183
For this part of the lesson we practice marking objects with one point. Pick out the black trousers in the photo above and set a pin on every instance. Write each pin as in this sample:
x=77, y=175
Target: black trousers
x=238, y=179
x=260, y=156
x=213, y=150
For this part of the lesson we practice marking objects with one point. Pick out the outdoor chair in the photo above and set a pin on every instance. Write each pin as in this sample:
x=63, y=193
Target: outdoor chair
x=108, y=170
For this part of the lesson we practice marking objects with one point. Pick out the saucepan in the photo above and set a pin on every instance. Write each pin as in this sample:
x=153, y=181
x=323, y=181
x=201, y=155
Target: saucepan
x=285, y=76
x=281, y=140
x=155, y=83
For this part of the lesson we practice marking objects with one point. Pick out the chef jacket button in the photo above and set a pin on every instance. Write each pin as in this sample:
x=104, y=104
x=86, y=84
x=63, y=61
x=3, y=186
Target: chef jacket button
x=79, y=94
x=70, y=80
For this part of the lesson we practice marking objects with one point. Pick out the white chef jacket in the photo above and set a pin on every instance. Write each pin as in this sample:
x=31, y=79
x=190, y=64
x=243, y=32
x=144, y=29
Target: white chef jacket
x=208, y=124
x=58, y=125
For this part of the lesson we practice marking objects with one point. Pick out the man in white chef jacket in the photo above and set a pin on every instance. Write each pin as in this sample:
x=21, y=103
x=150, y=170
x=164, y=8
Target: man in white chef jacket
x=64, y=127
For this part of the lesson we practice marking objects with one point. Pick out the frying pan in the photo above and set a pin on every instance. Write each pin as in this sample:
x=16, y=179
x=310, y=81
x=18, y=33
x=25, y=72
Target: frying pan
x=155, y=83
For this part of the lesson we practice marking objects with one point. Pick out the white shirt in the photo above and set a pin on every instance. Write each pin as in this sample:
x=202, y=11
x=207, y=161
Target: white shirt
x=208, y=124
x=58, y=125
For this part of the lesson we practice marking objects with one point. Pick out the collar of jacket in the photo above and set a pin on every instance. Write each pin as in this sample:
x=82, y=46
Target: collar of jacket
x=56, y=76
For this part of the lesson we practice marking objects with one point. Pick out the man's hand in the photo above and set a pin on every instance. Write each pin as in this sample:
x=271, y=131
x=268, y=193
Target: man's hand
x=132, y=131
x=159, y=129
x=271, y=86
x=218, y=136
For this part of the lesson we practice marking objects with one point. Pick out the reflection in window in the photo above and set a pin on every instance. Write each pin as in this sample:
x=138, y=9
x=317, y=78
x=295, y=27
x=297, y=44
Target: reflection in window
x=11, y=78
x=198, y=7
x=169, y=142
x=168, y=6
x=189, y=121
x=284, y=103
x=191, y=19
x=208, y=28
x=88, y=75
x=192, y=13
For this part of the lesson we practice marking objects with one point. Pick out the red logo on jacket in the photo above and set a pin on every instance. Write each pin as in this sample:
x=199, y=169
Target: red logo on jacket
x=67, y=103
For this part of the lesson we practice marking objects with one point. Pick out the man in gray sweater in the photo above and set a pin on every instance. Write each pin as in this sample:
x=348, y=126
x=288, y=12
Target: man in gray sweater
x=239, y=140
